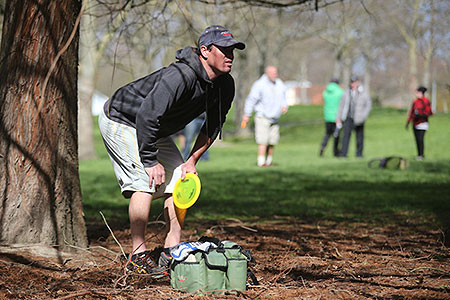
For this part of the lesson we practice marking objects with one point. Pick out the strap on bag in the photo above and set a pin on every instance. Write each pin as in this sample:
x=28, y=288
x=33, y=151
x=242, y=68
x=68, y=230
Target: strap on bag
x=248, y=255
x=252, y=276
x=211, y=240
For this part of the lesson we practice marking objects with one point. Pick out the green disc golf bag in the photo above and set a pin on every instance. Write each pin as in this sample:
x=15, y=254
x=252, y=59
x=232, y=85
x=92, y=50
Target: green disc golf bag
x=220, y=269
x=188, y=275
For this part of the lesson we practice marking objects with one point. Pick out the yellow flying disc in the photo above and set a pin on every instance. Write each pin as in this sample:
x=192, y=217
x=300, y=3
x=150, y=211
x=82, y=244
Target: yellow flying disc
x=186, y=192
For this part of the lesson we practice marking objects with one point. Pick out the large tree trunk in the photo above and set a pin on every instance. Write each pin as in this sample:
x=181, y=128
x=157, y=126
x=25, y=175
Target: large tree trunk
x=428, y=57
x=347, y=69
x=39, y=185
x=410, y=33
x=337, y=68
x=304, y=78
x=412, y=66
x=368, y=73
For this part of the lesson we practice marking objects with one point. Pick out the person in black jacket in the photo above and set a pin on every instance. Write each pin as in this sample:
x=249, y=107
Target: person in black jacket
x=136, y=124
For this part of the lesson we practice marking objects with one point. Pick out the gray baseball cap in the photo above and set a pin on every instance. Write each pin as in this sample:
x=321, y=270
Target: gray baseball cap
x=219, y=36
x=354, y=78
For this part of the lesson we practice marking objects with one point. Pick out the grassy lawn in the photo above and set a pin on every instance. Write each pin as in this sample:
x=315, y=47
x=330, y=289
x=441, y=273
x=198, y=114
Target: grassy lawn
x=301, y=184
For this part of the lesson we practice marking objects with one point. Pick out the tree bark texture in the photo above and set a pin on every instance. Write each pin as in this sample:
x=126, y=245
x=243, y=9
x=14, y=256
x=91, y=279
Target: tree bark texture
x=40, y=194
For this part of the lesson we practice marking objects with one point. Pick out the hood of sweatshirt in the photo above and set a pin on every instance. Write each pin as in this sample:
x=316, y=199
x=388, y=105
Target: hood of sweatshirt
x=189, y=56
x=333, y=88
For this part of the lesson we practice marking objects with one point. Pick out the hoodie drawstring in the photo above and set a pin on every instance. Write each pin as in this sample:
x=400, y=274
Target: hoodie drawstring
x=206, y=118
x=220, y=116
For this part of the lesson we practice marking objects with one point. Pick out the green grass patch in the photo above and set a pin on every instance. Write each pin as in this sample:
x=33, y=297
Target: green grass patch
x=301, y=184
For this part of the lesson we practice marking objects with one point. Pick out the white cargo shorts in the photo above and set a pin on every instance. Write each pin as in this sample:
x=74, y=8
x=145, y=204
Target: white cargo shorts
x=121, y=144
x=266, y=132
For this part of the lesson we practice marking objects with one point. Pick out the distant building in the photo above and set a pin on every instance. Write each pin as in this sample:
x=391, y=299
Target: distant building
x=304, y=93
x=292, y=92
x=297, y=92
x=315, y=94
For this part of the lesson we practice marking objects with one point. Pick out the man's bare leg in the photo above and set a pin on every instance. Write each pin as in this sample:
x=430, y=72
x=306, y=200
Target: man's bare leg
x=269, y=155
x=139, y=210
x=270, y=150
x=173, y=224
x=261, y=154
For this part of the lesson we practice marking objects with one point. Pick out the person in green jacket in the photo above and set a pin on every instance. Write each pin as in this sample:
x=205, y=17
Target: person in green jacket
x=331, y=97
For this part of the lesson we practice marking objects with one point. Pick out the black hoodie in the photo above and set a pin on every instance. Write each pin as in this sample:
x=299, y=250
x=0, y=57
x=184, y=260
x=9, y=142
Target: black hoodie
x=164, y=102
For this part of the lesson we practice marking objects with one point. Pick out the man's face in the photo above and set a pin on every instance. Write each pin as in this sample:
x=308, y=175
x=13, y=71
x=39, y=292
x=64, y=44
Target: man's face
x=355, y=85
x=272, y=73
x=220, y=59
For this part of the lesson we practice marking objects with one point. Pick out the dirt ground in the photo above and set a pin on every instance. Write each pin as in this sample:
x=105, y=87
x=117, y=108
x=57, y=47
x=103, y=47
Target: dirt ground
x=295, y=260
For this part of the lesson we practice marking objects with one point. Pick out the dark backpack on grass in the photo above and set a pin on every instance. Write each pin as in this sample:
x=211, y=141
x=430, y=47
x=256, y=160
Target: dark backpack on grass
x=390, y=162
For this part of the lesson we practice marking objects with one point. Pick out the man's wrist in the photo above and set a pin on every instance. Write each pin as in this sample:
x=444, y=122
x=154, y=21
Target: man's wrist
x=150, y=164
x=192, y=159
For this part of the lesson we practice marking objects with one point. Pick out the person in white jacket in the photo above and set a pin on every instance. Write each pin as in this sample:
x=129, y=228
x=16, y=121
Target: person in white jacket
x=267, y=99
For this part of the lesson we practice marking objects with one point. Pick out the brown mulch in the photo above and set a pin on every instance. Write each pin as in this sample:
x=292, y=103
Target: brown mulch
x=295, y=260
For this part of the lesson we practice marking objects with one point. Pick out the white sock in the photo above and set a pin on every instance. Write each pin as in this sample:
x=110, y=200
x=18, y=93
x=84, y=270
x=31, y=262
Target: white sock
x=269, y=160
x=261, y=160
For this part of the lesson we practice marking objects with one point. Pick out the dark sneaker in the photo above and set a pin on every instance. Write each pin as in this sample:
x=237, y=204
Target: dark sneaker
x=142, y=263
x=164, y=260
